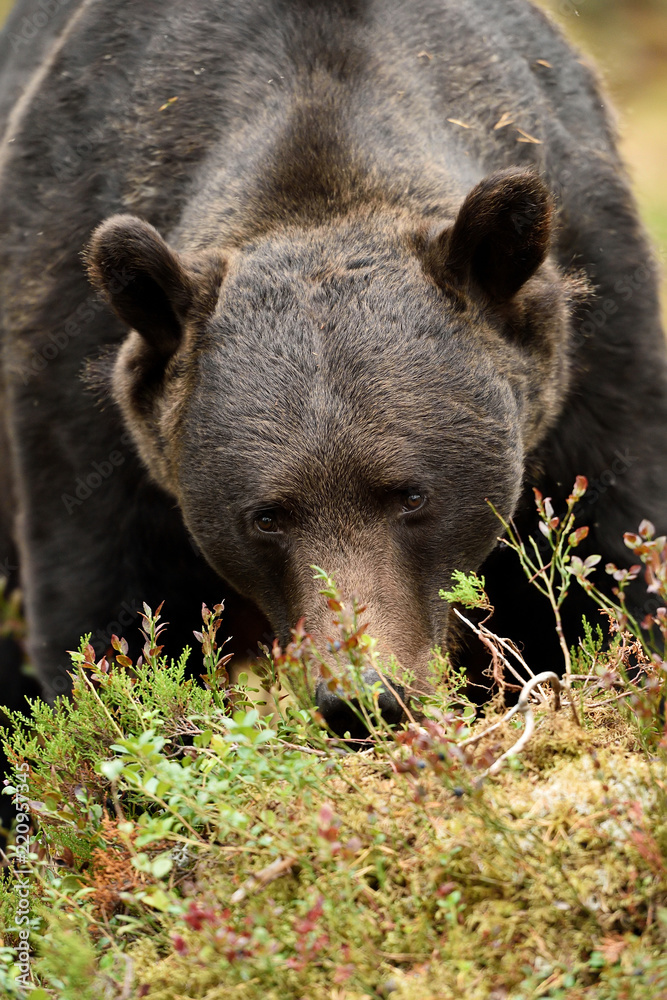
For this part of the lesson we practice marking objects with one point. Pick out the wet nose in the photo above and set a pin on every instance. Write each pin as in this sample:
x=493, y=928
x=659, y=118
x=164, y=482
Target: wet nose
x=340, y=716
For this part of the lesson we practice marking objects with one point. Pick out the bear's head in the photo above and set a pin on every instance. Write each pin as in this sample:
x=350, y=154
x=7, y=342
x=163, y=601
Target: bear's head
x=348, y=396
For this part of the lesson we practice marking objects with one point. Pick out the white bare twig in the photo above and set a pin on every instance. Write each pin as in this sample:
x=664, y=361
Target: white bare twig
x=521, y=706
x=491, y=640
x=524, y=706
x=260, y=879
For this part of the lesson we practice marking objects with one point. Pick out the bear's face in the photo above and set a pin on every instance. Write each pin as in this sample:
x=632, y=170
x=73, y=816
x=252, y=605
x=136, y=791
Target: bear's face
x=348, y=397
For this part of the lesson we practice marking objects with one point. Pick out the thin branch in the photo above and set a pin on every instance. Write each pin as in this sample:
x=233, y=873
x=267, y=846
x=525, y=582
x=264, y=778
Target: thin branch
x=609, y=701
x=524, y=706
x=487, y=637
x=259, y=880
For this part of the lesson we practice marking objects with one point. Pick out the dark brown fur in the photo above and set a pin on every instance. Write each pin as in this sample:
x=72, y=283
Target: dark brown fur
x=339, y=297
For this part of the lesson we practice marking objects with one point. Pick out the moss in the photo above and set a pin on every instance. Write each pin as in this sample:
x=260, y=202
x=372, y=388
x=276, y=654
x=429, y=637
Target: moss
x=193, y=850
x=521, y=885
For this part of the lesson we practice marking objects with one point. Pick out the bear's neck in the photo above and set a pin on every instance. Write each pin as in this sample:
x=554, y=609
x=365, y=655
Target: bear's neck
x=326, y=156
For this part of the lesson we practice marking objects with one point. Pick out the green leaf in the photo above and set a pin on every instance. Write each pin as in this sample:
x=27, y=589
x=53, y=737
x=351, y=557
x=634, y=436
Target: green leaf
x=158, y=899
x=111, y=769
x=468, y=590
x=162, y=865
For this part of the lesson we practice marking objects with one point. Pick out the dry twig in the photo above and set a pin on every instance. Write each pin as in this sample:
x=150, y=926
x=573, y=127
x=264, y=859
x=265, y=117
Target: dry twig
x=259, y=880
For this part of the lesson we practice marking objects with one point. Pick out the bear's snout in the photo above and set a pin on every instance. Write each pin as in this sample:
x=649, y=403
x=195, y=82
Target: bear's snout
x=343, y=715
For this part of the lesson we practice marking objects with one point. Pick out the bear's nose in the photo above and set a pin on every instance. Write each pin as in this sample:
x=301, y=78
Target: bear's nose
x=340, y=715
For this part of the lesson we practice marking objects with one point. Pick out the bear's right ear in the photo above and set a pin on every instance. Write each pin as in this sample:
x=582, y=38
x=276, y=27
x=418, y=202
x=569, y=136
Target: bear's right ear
x=148, y=285
x=500, y=236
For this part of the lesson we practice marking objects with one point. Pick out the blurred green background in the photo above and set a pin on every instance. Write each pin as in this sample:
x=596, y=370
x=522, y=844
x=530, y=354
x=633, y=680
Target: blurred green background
x=628, y=41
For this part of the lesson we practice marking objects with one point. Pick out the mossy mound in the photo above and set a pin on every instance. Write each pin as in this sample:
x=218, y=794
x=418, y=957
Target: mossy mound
x=187, y=851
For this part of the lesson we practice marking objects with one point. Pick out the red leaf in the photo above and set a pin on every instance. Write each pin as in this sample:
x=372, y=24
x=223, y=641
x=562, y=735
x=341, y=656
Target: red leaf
x=646, y=529
x=580, y=487
x=179, y=944
x=578, y=536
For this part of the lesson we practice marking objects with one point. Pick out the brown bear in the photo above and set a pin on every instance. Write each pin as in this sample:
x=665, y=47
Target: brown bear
x=370, y=264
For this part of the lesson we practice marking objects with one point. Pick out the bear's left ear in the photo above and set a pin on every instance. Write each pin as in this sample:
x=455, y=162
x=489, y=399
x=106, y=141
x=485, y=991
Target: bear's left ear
x=148, y=285
x=500, y=237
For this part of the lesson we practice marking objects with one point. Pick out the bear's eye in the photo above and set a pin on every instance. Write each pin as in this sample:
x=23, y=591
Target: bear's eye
x=266, y=521
x=413, y=500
